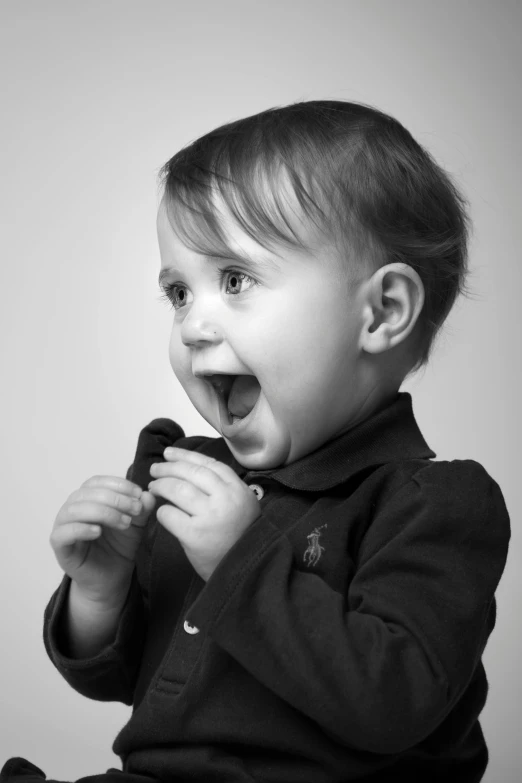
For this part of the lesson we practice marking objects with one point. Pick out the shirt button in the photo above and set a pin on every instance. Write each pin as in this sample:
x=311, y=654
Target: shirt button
x=260, y=492
x=190, y=628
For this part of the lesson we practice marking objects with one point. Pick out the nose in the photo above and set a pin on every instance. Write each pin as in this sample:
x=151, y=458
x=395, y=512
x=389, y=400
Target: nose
x=198, y=327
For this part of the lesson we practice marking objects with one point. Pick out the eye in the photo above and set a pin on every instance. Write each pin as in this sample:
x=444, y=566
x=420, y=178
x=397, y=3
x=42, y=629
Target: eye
x=175, y=293
x=236, y=278
x=170, y=293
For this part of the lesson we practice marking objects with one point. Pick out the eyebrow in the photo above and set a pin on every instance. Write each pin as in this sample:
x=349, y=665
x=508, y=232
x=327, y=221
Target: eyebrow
x=261, y=263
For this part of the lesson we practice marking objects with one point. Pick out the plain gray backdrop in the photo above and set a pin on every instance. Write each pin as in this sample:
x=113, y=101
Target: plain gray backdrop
x=96, y=96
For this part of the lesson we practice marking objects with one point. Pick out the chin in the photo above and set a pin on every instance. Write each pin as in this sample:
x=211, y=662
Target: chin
x=258, y=456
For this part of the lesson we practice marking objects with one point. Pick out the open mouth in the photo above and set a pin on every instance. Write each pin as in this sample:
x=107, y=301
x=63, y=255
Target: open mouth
x=238, y=394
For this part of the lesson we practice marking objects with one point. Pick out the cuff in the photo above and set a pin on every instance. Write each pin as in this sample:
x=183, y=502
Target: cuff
x=127, y=634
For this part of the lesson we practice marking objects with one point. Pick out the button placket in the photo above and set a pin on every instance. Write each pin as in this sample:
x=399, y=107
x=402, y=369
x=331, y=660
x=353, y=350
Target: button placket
x=184, y=647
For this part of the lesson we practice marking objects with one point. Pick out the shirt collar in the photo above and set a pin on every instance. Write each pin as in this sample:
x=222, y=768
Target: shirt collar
x=390, y=435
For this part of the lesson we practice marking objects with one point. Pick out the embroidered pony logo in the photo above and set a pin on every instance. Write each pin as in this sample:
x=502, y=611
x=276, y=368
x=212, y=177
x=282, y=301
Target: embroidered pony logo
x=315, y=550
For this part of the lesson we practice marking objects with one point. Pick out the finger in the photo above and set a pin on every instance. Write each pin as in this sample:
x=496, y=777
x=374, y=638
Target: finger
x=69, y=535
x=149, y=502
x=127, y=504
x=173, y=454
x=201, y=476
x=116, y=483
x=96, y=513
x=180, y=493
x=174, y=520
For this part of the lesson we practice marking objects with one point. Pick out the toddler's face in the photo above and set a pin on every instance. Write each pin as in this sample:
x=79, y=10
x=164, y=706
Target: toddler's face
x=288, y=321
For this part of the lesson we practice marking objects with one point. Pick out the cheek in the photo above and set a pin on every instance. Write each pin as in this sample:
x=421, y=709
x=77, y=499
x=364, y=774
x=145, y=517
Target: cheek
x=306, y=353
x=179, y=356
x=174, y=352
x=286, y=367
x=173, y=344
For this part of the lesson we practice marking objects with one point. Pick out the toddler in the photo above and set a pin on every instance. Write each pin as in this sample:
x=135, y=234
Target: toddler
x=305, y=598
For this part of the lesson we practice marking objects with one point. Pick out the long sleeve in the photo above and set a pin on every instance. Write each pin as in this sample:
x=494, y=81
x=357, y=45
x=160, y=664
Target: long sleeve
x=380, y=667
x=112, y=674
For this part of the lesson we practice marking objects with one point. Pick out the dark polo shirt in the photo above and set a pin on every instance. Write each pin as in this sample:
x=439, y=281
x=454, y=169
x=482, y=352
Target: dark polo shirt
x=340, y=639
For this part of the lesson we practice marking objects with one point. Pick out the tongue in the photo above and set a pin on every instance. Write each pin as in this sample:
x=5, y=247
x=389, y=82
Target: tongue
x=243, y=395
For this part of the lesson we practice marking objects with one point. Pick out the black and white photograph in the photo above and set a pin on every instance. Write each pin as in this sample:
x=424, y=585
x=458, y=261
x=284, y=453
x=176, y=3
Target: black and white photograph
x=260, y=274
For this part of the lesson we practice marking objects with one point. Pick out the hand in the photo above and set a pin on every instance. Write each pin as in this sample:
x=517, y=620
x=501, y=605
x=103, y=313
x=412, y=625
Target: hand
x=211, y=506
x=96, y=535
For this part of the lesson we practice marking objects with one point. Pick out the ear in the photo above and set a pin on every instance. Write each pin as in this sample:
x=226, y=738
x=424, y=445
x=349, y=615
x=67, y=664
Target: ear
x=393, y=302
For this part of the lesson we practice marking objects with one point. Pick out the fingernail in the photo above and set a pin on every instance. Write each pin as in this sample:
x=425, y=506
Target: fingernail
x=169, y=451
x=137, y=492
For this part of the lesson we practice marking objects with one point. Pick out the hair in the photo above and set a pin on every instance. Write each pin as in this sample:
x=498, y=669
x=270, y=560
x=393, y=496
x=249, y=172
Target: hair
x=358, y=175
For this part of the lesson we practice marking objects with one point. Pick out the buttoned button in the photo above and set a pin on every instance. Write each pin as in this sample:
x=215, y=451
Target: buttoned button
x=190, y=628
x=260, y=492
